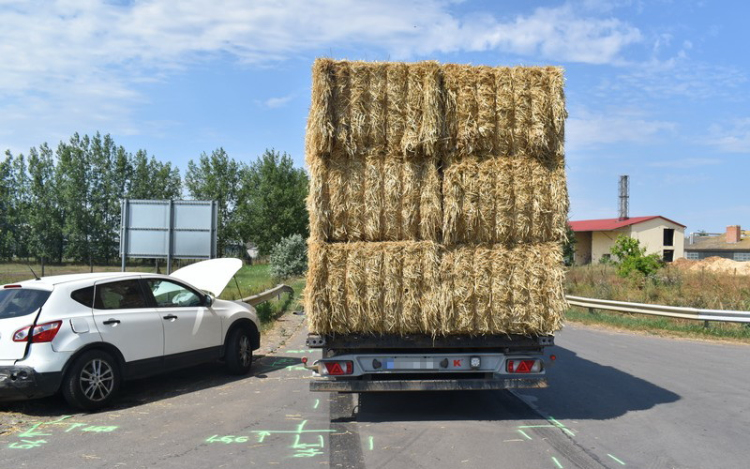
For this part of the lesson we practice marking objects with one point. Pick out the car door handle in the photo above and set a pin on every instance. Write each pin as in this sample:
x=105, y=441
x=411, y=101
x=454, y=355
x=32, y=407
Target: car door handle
x=170, y=317
x=109, y=322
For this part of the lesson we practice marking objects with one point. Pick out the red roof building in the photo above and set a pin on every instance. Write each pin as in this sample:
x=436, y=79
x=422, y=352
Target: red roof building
x=657, y=234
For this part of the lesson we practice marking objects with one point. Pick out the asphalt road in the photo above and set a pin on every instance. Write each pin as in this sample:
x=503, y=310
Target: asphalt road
x=615, y=400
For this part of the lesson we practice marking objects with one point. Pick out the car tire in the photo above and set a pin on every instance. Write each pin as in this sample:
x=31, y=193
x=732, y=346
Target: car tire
x=92, y=381
x=239, y=352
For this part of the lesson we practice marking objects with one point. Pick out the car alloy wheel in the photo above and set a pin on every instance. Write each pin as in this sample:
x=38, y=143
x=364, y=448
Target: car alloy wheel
x=245, y=351
x=97, y=380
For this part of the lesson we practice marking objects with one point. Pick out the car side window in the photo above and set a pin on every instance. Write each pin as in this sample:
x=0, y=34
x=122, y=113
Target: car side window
x=170, y=294
x=125, y=294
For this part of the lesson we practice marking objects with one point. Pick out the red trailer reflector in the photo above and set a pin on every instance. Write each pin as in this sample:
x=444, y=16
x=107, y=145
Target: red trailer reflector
x=523, y=366
x=339, y=368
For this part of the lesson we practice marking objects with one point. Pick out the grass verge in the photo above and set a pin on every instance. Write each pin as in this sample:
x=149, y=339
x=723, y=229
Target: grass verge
x=662, y=325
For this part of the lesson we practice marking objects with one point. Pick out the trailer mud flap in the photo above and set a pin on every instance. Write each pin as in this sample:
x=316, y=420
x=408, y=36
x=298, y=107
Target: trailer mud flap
x=425, y=385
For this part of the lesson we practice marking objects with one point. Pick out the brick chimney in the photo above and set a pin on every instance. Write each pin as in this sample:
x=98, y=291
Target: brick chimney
x=734, y=234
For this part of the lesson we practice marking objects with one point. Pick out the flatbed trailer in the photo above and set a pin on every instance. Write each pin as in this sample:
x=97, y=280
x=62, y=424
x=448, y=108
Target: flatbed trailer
x=382, y=363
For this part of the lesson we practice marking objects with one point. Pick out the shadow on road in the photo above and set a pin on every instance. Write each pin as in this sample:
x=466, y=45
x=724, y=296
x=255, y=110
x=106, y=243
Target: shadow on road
x=578, y=389
x=159, y=387
x=583, y=389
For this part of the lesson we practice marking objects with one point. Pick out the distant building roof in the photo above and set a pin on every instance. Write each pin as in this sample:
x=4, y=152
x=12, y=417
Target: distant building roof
x=609, y=224
x=717, y=243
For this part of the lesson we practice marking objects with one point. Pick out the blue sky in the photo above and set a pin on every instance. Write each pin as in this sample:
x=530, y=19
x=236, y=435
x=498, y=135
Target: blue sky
x=658, y=90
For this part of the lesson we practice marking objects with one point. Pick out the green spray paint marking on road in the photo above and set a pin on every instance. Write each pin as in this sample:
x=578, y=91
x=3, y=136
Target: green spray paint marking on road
x=524, y=434
x=560, y=426
x=617, y=460
x=537, y=426
x=317, y=403
x=35, y=431
x=557, y=463
x=372, y=442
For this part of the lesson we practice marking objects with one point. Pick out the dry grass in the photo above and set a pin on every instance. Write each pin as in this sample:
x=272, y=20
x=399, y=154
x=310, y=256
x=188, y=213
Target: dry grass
x=420, y=287
x=437, y=198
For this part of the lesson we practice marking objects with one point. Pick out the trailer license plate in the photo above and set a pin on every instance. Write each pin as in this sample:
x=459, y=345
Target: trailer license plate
x=410, y=364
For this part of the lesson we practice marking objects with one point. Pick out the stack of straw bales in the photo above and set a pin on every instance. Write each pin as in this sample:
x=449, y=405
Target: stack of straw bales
x=438, y=199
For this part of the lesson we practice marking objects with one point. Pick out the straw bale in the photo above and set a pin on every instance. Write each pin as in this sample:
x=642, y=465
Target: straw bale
x=483, y=289
x=432, y=305
x=453, y=208
x=410, y=198
x=341, y=107
x=411, y=317
x=556, y=137
x=393, y=304
x=378, y=107
x=463, y=290
x=396, y=89
x=504, y=111
x=337, y=308
x=374, y=292
x=316, y=287
x=320, y=125
x=449, y=307
x=430, y=201
x=318, y=206
x=337, y=178
x=541, y=203
x=504, y=201
x=393, y=197
x=501, y=290
x=559, y=204
x=359, y=106
x=523, y=194
x=410, y=143
x=431, y=132
x=356, y=288
x=355, y=199
x=374, y=196
x=522, y=103
x=486, y=109
x=461, y=81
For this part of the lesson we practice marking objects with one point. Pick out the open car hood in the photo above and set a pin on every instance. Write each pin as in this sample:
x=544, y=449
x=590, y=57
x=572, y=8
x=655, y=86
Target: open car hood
x=211, y=276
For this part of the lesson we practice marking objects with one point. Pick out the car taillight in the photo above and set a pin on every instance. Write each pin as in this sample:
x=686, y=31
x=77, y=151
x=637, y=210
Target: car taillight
x=12, y=286
x=523, y=366
x=345, y=367
x=42, y=332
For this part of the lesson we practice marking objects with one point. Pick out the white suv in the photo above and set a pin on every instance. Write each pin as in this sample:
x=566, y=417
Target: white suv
x=84, y=334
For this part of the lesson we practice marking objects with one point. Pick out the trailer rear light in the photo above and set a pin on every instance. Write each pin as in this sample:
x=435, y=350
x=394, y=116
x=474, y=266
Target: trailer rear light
x=42, y=333
x=523, y=366
x=339, y=368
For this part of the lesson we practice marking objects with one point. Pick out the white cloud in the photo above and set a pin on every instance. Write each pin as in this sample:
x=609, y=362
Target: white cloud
x=76, y=64
x=273, y=103
x=587, y=130
x=732, y=138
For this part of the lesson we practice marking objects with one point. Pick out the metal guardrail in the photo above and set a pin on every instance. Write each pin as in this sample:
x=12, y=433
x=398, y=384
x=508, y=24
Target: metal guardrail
x=658, y=310
x=262, y=297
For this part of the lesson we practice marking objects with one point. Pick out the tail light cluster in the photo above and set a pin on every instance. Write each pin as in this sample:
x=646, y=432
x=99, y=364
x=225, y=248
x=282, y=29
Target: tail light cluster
x=41, y=333
x=523, y=366
x=337, y=368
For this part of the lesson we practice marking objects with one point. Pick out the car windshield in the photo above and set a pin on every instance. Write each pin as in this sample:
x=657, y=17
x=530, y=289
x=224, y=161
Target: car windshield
x=17, y=302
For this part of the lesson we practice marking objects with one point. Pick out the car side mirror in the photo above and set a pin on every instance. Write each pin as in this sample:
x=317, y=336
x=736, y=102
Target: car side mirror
x=208, y=301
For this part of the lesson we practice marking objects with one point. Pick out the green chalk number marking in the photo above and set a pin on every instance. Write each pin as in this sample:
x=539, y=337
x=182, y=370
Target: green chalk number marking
x=26, y=441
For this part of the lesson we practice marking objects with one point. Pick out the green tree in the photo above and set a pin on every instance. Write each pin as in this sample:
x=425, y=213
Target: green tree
x=288, y=257
x=569, y=246
x=632, y=258
x=74, y=172
x=45, y=218
x=272, y=204
x=218, y=177
x=6, y=206
x=151, y=179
